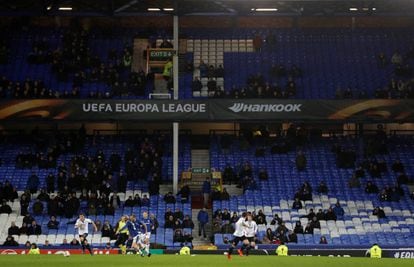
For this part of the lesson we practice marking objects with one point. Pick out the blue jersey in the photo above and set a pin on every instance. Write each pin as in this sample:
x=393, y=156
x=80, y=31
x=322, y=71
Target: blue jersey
x=134, y=228
x=147, y=223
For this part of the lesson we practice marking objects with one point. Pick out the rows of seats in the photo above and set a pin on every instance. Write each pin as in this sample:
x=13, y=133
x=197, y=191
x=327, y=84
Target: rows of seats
x=108, y=144
x=66, y=227
x=358, y=226
x=329, y=58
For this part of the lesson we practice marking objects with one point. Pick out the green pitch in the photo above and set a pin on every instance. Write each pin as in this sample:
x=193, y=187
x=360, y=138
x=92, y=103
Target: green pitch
x=193, y=261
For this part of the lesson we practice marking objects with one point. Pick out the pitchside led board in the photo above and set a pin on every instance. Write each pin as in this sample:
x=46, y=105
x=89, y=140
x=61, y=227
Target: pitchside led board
x=215, y=110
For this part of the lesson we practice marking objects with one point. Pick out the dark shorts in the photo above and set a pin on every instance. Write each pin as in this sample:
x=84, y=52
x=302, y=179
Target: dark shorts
x=238, y=239
x=251, y=239
x=84, y=236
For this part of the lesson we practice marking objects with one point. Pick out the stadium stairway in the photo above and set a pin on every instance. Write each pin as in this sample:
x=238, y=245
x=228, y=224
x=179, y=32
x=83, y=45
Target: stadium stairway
x=199, y=240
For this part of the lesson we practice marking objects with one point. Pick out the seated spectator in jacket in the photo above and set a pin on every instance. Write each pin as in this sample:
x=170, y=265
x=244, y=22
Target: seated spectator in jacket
x=260, y=218
x=320, y=215
x=23, y=229
x=5, y=208
x=178, y=236
x=354, y=182
x=397, y=166
x=129, y=202
x=187, y=222
x=330, y=215
x=315, y=223
x=374, y=171
x=28, y=219
x=323, y=240
x=225, y=215
x=137, y=201
x=298, y=228
x=234, y=218
x=379, y=213
x=310, y=215
x=13, y=229
x=10, y=242
x=322, y=188
x=34, y=229
x=371, y=188
x=276, y=220
x=107, y=230
x=33, y=183
x=270, y=237
x=178, y=214
x=196, y=85
x=297, y=204
x=185, y=193
x=38, y=207
x=224, y=194
x=170, y=222
x=292, y=237
x=74, y=243
x=308, y=229
x=339, y=211
x=281, y=227
x=359, y=172
x=43, y=196
x=53, y=223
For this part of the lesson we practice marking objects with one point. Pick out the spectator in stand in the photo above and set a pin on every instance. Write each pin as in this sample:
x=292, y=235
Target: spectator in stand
x=402, y=179
x=300, y=161
x=196, y=85
x=322, y=188
x=292, y=237
x=33, y=183
x=187, y=222
x=34, y=229
x=178, y=214
x=206, y=190
x=315, y=223
x=74, y=243
x=10, y=242
x=297, y=204
x=371, y=188
x=13, y=229
x=169, y=223
x=323, y=240
x=298, y=228
x=234, y=218
x=379, y=213
x=107, y=230
x=202, y=218
x=5, y=208
x=330, y=215
x=137, y=201
x=53, y=223
x=270, y=237
x=224, y=194
x=339, y=211
x=37, y=207
x=129, y=202
x=169, y=198
x=23, y=230
x=185, y=193
x=308, y=229
x=43, y=196
x=226, y=215
x=320, y=215
x=276, y=220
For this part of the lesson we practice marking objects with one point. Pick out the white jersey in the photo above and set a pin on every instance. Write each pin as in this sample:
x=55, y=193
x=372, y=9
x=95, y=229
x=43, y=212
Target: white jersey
x=239, y=227
x=83, y=226
x=251, y=229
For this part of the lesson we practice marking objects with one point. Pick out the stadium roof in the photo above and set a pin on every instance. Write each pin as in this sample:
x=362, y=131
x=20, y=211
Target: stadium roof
x=206, y=7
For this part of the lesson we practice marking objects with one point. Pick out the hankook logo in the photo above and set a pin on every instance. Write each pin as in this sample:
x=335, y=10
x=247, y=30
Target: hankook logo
x=242, y=107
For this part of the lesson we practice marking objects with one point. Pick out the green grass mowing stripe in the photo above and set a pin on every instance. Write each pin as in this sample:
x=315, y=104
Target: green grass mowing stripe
x=193, y=261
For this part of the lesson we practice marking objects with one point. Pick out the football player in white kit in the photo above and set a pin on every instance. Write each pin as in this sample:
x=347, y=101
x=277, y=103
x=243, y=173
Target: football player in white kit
x=82, y=224
x=238, y=235
x=250, y=232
